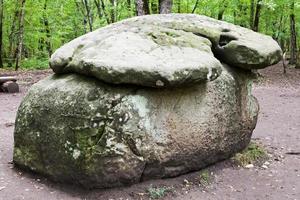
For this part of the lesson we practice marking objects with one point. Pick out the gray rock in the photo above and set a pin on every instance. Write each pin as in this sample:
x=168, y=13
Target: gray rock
x=90, y=131
x=77, y=129
x=165, y=51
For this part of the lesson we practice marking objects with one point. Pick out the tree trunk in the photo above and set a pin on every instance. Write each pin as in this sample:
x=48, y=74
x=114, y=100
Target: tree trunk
x=129, y=7
x=195, y=6
x=99, y=11
x=257, y=16
x=252, y=10
x=47, y=29
x=80, y=10
x=113, y=12
x=178, y=6
x=293, y=37
x=85, y=9
x=20, y=34
x=1, y=28
x=278, y=27
x=100, y=5
x=165, y=6
x=298, y=62
x=142, y=7
x=89, y=15
x=283, y=63
x=11, y=38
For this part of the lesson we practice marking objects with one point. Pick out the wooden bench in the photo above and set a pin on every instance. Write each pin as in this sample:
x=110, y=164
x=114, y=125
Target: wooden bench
x=9, y=84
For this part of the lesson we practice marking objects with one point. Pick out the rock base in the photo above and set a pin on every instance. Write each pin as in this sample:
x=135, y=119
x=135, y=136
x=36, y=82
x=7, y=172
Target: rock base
x=76, y=129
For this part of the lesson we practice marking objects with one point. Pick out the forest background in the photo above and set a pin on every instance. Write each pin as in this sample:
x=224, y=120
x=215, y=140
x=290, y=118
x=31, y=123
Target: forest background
x=31, y=30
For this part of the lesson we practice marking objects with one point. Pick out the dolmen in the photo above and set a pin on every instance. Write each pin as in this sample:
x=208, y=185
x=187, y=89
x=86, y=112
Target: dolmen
x=148, y=97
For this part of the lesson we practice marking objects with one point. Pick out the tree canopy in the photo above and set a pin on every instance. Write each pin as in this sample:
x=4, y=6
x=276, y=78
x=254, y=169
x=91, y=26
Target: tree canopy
x=33, y=29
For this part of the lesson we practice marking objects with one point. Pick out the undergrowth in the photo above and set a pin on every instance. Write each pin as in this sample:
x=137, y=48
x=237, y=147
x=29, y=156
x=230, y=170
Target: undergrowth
x=158, y=192
x=29, y=64
x=204, y=177
x=251, y=155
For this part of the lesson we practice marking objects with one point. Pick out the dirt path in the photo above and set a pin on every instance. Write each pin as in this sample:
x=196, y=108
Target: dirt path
x=278, y=129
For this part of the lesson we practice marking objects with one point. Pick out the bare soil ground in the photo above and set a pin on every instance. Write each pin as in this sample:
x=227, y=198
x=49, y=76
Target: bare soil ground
x=278, y=130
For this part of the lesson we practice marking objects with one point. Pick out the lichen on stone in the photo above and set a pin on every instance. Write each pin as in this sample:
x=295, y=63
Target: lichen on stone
x=149, y=97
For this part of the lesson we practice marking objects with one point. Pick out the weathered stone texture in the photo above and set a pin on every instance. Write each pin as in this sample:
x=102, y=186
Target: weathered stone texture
x=77, y=129
x=143, y=98
x=165, y=50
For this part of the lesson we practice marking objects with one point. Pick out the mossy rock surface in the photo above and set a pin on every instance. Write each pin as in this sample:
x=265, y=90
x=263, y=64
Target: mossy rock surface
x=148, y=97
x=77, y=129
x=165, y=51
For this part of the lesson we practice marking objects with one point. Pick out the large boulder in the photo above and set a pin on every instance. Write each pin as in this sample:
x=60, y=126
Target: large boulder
x=80, y=130
x=165, y=50
x=148, y=97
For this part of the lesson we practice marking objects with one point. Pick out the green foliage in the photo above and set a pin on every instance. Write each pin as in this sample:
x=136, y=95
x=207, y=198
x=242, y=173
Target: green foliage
x=35, y=63
x=158, y=192
x=204, y=177
x=68, y=20
x=252, y=154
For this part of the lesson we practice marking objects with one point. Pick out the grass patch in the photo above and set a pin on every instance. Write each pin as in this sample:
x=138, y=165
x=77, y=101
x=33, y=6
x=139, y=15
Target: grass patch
x=253, y=154
x=204, y=177
x=35, y=63
x=158, y=192
x=29, y=64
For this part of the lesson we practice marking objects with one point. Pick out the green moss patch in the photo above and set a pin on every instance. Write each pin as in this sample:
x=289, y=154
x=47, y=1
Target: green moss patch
x=158, y=192
x=204, y=177
x=253, y=154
